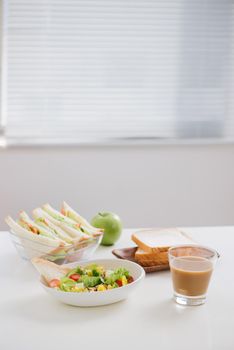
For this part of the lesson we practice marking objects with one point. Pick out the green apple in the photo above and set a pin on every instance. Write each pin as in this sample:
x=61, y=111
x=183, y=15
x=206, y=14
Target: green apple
x=111, y=224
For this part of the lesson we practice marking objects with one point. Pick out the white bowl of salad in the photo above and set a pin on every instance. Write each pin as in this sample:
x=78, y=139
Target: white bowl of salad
x=93, y=283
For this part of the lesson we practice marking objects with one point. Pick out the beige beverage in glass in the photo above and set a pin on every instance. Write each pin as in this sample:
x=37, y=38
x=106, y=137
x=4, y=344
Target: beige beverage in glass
x=191, y=269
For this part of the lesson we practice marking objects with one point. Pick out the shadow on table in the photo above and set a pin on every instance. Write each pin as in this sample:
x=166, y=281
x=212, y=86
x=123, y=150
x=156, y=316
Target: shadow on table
x=169, y=312
x=180, y=322
x=46, y=310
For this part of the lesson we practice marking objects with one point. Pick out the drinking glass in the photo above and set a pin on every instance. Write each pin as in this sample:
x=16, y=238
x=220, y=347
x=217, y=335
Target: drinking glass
x=191, y=269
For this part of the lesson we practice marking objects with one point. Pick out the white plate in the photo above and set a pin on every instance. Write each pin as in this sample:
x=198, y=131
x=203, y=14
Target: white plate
x=101, y=298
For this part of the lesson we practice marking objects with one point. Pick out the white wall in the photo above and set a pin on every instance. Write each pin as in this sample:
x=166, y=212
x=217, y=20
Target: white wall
x=146, y=186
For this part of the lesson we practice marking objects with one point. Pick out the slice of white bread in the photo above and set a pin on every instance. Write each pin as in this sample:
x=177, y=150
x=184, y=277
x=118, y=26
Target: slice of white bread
x=160, y=240
x=48, y=270
x=153, y=245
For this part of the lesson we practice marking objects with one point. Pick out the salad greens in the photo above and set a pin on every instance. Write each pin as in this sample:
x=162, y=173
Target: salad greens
x=92, y=278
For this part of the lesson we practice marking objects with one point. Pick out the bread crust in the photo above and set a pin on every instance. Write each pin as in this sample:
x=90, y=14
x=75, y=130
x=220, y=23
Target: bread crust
x=151, y=259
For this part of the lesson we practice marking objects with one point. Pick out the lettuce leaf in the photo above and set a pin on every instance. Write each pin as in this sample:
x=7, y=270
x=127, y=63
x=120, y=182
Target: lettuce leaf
x=116, y=275
x=67, y=284
x=90, y=281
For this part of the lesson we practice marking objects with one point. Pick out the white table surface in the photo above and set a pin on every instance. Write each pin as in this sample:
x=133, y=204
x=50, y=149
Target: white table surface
x=31, y=320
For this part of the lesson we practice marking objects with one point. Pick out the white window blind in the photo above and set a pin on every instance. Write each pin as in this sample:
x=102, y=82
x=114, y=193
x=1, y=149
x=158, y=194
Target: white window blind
x=84, y=71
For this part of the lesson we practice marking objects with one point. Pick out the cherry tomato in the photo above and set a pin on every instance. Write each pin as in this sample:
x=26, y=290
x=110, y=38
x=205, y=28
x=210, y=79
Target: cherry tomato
x=130, y=279
x=75, y=277
x=54, y=283
x=119, y=282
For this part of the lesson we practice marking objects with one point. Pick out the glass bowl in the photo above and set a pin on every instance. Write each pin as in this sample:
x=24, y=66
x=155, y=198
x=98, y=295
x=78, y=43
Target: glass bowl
x=29, y=249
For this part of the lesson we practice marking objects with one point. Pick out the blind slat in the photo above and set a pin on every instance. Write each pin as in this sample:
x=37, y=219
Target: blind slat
x=105, y=69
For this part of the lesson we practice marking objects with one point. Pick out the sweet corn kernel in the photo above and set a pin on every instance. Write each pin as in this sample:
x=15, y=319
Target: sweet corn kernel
x=78, y=289
x=101, y=288
x=124, y=280
x=109, y=286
